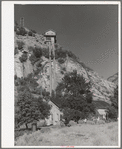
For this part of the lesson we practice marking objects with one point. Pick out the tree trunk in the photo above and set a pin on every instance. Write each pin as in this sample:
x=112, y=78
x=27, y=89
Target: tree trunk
x=26, y=126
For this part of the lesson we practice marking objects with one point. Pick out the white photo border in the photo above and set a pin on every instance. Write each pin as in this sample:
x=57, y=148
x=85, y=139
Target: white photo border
x=7, y=102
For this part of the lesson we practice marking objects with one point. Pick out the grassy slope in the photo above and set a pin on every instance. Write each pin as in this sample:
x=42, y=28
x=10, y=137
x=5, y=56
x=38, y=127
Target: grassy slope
x=77, y=135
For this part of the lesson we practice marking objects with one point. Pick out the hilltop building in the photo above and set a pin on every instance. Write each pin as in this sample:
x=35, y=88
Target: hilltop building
x=50, y=36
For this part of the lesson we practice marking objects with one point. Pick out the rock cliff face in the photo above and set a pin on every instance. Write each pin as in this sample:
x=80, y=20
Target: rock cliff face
x=102, y=89
x=113, y=78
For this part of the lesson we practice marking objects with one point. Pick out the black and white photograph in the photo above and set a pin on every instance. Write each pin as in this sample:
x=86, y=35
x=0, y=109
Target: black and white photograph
x=65, y=73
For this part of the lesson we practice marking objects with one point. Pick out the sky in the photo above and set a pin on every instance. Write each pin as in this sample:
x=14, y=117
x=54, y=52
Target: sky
x=89, y=31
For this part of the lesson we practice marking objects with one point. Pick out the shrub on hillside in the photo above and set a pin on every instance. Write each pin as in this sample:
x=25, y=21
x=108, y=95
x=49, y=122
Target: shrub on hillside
x=45, y=53
x=61, y=60
x=30, y=48
x=20, y=44
x=36, y=72
x=112, y=113
x=21, y=31
x=113, y=109
x=37, y=51
x=16, y=51
x=23, y=58
x=33, y=59
x=30, y=33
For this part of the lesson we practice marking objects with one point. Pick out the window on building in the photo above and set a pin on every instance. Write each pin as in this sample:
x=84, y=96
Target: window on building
x=48, y=38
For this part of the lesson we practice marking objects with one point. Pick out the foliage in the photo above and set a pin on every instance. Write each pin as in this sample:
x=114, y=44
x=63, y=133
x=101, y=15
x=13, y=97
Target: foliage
x=37, y=52
x=16, y=51
x=113, y=109
x=16, y=83
x=73, y=93
x=30, y=109
x=114, y=99
x=21, y=31
x=20, y=44
x=45, y=52
x=71, y=114
x=61, y=60
x=27, y=83
x=30, y=48
x=64, y=69
x=23, y=57
x=15, y=77
x=33, y=59
x=30, y=33
x=112, y=113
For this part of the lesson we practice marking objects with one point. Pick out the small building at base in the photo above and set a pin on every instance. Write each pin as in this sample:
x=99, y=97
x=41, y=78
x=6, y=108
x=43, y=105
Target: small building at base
x=55, y=115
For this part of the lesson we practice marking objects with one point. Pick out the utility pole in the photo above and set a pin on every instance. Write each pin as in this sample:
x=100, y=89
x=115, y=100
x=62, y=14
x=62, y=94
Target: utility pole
x=67, y=59
x=22, y=22
x=54, y=65
x=50, y=68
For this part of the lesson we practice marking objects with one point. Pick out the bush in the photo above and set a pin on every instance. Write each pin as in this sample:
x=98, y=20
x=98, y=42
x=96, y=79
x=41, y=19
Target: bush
x=45, y=52
x=61, y=60
x=15, y=77
x=113, y=109
x=112, y=113
x=37, y=52
x=16, y=83
x=71, y=114
x=20, y=44
x=60, y=53
x=36, y=72
x=62, y=72
x=33, y=59
x=64, y=69
x=30, y=33
x=21, y=31
x=23, y=58
x=33, y=35
x=30, y=48
x=16, y=51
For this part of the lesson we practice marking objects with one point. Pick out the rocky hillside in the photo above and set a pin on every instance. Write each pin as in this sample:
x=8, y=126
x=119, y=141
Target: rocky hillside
x=28, y=59
x=113, y=78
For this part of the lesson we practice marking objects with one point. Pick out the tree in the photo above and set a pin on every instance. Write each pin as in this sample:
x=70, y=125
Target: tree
x=74, y=94
x=114, y=99
x=113, y=109
x=30, y=109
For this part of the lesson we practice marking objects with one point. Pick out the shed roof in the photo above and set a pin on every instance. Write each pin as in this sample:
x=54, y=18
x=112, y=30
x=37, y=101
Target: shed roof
x=50, y=33
x=101, y=104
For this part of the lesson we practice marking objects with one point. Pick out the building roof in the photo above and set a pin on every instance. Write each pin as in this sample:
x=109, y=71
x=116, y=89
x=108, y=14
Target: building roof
x=101, y=104
x=50, y=33
x=56, y=103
